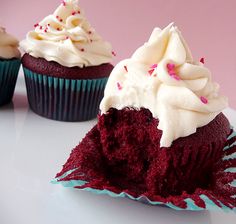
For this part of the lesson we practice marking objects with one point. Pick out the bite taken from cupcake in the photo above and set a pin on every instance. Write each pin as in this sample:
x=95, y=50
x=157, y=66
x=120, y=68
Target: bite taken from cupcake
x=9, y=65
x=161, y=136
x=66, y=65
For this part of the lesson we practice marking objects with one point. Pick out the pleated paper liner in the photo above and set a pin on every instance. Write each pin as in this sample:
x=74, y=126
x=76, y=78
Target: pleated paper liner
x=64, y=99
x=8, y=75
x=222, y=196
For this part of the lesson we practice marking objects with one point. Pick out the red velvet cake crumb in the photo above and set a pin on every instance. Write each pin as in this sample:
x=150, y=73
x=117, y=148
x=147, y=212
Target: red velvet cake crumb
x=122, y=152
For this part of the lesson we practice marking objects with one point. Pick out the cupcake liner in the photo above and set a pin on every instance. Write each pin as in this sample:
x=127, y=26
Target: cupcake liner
x=8, y=75
x=64, y=99
x=221, y=196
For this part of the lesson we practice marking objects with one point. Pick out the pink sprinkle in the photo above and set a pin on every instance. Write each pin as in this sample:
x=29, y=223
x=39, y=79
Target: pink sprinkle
x=67, y=38
x=40, y=27
x=73, y=13
x=63, y=3
x=202, y=60
x=82, y=49
x=154, y=66
x=35, y=25
x=204, y=99
x=151, y=71
x=170, y=67
x=113, y=53
x=45, y=30
x=59, y=18
x=126, y=69
x=119, y=86
x=174, y=76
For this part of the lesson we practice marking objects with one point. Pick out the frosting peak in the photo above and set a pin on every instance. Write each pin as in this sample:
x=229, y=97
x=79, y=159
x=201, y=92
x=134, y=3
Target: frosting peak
x=67, y=38
x=163, y=77
x=8, y=45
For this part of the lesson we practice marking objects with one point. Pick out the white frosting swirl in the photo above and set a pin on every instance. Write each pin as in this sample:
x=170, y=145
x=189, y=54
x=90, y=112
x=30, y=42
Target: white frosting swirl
x=67, y=38
x=162, y=77
x=8, y=45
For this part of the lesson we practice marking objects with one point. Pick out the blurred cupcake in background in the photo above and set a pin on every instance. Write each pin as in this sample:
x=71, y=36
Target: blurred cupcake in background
x=9, y=66
x=66, y=65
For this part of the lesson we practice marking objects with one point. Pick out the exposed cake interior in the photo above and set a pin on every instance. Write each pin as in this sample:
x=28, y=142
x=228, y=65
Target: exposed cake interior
x=123, y=150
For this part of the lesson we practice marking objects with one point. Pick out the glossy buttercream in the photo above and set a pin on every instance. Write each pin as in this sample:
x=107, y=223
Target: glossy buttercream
x=163, y=77
x=67, y=38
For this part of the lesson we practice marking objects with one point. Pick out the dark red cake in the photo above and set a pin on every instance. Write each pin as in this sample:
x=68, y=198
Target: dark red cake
x=54, y=69
x=123, y=151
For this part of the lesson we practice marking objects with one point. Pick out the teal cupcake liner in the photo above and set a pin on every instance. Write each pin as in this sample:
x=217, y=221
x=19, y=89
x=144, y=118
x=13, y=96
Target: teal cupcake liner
x=202, y=199
x=9, y=70
x=64, y=99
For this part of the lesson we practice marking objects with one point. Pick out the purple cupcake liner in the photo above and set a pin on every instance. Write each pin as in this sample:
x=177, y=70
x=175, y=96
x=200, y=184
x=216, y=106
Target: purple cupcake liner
x=64, y=99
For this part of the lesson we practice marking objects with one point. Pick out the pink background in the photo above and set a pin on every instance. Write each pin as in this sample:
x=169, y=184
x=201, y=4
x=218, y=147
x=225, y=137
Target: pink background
x=207, y=25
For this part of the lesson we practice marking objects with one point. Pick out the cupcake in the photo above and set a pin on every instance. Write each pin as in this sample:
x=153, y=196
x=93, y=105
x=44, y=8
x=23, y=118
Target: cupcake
x=161, y=137
x=9, y=66
x=66, y=65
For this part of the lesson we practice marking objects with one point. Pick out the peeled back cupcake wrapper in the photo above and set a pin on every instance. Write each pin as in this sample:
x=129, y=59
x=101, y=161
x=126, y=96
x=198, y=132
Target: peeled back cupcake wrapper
x=8, y=75
x=223, y=198
x=64, y=99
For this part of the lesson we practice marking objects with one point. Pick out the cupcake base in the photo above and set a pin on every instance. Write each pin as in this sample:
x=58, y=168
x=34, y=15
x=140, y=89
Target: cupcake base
x=195, y=173
x=131, y=150
x=221, y=195
x=64, y=93
x=8, y=76
x=64, y=99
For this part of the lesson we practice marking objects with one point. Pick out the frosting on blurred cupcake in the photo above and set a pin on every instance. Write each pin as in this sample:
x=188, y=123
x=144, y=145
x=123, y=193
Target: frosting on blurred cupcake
x=8, y=45
x=163, y=77
x=67, y=38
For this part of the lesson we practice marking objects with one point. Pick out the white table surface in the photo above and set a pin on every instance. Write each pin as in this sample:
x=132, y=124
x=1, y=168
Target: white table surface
x=33, y=149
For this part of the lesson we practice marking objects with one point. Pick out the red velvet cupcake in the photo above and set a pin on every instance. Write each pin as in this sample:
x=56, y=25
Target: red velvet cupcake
x=66, y=65
x=161, y=136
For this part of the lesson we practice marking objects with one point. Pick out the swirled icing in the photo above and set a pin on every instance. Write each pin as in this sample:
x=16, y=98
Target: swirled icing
x=67, y=38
